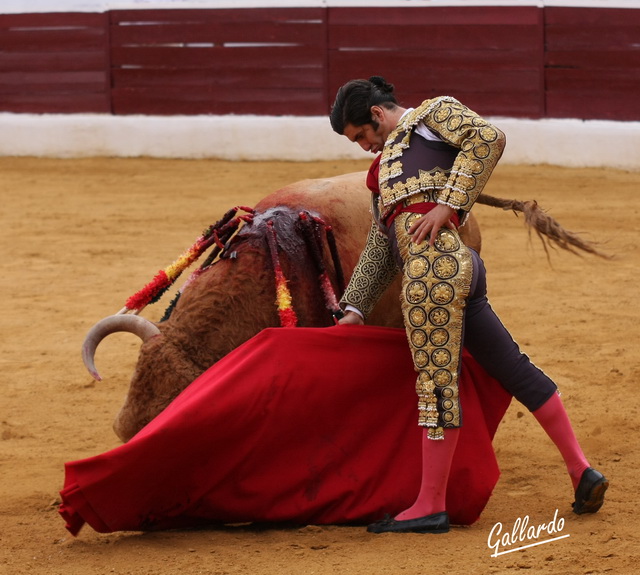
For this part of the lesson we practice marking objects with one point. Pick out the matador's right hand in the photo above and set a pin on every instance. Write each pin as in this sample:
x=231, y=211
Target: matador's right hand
x=429, y=224
x=351, y=317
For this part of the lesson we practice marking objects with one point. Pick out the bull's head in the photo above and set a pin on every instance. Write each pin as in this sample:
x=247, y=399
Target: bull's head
x=234, y=298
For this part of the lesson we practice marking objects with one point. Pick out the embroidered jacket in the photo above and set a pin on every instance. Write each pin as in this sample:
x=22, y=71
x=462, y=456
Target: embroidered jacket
x=452, y=172
x=479, y=145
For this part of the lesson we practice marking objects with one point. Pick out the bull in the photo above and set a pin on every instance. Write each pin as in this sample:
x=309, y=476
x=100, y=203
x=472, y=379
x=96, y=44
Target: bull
x=232, y=298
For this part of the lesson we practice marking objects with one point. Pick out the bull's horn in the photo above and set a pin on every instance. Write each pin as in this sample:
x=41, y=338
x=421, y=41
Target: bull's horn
x=135, y=324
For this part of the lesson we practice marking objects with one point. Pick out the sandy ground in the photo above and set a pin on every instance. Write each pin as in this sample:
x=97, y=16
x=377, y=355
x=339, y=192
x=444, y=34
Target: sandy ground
x=79, y=237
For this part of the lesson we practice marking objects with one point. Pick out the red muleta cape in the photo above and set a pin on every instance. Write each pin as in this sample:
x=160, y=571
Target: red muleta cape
x=297, y=425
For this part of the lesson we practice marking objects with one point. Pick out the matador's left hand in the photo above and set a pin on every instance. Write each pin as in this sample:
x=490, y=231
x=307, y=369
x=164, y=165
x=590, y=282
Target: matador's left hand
x=438, y=217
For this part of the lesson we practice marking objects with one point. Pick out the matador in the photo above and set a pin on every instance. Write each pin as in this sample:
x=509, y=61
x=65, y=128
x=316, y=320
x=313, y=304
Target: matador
x=432, y=163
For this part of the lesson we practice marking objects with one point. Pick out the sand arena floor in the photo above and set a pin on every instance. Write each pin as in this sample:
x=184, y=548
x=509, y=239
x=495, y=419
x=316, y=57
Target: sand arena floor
x=79, y=237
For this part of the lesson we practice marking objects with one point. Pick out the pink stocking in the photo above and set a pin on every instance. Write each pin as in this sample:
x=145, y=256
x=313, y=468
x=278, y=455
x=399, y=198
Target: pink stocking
x=554, y=420
x=437, y=456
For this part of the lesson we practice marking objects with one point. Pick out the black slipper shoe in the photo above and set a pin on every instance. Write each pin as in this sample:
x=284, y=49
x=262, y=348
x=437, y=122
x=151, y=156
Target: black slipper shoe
x=590, y=492
x=435, y=523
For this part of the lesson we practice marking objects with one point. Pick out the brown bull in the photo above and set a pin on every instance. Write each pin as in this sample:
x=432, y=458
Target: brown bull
x=233, y=299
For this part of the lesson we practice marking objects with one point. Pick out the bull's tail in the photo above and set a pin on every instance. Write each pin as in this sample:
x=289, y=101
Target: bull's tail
x=550, y=232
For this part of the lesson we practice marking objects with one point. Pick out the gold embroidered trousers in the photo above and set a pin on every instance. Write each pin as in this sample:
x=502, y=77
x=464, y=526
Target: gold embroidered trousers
x=435, y=286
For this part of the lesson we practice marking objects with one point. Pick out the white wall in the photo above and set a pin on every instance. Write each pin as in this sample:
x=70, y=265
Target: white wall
x=573, y=143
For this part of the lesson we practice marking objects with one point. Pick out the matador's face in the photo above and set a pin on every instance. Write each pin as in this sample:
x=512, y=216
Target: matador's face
x=370, y=137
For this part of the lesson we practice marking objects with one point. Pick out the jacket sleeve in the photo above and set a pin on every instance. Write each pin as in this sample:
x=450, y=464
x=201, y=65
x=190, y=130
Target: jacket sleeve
x=480, y=143
x=372, y=275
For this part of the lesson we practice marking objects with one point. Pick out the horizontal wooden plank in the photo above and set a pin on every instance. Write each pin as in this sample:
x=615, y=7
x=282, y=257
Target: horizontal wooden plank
x=600, y=105
x=479, y=16
x=123, y=107
x=219, y=33
x=176, y=101
x=218, y=57
x=594, y=59
x=221, y=93
x=591, y=17
x=436, y=59
x=281, y=77
x=517, y=83
x=572, y=37
x=54, y=77
x=408, y=36
x=48, y=103
x=48, y=40
x=47, y=61
x=498, y=80
x=67, y=20
x=582, y=80
x=25, y=81
x=218, y=15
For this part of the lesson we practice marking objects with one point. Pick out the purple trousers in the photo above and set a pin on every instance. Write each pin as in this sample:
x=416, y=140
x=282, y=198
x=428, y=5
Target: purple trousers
x=494, y=349
x=491, y=345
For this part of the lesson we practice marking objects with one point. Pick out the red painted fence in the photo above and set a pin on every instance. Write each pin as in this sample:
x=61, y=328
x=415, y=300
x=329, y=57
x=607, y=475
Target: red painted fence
x=258, y=61
x=54, y=63
x=592, y=63
x=518, y=61
x=489, y=58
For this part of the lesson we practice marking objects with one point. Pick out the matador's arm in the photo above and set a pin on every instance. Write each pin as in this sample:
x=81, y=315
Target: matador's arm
x=480, y=143
x=372, y=275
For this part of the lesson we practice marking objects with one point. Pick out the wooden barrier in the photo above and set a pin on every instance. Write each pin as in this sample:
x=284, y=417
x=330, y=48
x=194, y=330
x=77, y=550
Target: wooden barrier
x=592, y=63
x=56, y=63
x=258, y=61
x=490, y=58
x=515, y=61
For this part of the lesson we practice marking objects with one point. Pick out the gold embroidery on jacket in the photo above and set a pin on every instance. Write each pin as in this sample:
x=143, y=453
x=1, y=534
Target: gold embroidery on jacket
x=427, y=182
x=374, y=272
x=480, y=145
